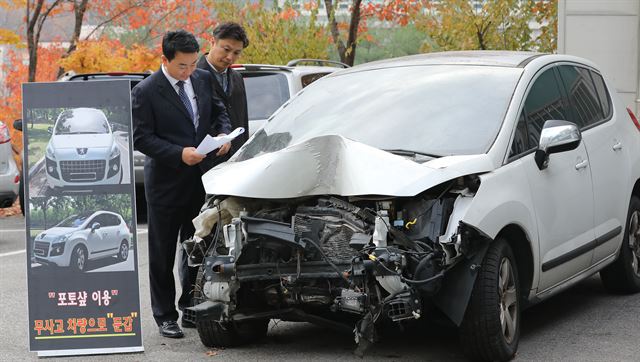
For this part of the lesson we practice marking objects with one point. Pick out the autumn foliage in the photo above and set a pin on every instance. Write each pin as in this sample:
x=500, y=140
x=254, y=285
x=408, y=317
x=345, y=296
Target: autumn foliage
x=124, y=35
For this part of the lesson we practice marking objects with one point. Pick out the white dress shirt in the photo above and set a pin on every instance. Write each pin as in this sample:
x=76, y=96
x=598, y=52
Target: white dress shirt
x=188, y=88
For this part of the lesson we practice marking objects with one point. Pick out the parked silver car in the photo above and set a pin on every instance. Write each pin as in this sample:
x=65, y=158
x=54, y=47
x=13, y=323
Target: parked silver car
x=80, y=238
x=9, y=173
x=269, y=86
x=83, y=150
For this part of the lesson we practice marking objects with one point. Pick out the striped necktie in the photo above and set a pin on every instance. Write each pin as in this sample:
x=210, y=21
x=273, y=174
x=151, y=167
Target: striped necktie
x=187, y=103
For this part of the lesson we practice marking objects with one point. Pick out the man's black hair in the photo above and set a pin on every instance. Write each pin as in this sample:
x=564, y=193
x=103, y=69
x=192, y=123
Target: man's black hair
x=178, y=41
x=231, y=30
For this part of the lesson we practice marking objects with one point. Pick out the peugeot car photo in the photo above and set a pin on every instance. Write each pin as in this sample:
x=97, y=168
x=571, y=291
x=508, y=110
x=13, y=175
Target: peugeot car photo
x=82, y=151
x=81, y=238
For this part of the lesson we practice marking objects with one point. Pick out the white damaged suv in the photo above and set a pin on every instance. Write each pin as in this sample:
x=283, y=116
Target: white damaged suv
x=477, y=183
x=80, y=238
x=83, y=150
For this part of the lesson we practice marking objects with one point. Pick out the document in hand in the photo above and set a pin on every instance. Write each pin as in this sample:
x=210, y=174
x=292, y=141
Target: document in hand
x=209, y=143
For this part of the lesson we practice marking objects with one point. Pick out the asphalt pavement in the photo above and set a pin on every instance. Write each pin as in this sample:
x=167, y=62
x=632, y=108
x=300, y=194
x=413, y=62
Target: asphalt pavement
x=582, y=324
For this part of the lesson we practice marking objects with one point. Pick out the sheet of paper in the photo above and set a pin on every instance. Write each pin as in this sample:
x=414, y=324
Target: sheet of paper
x=209, y=143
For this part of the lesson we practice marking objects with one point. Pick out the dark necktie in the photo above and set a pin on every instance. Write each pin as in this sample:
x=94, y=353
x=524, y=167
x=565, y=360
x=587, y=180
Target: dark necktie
x=187, y=103
x=225, y=87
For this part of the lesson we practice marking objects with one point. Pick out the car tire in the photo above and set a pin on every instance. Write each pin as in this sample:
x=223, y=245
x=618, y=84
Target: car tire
x=79, y=259
x=623, y=276
x=485, y=332
x=216, y=334
x=123, y=251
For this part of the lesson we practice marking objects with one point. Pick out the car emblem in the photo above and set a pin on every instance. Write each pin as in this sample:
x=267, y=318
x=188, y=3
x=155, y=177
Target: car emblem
x=82, y=151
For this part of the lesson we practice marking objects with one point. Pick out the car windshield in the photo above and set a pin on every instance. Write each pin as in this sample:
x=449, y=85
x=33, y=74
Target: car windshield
x=266, y=92
x=81, y=121
x=73, y=221
x=435, y=110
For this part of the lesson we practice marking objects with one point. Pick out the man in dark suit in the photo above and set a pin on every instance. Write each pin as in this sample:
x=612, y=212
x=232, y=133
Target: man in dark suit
x=173, y=110
x=229, y=39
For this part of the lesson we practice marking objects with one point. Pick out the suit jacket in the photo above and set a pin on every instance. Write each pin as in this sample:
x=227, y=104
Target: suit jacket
x=162, y=127
x=235, y=102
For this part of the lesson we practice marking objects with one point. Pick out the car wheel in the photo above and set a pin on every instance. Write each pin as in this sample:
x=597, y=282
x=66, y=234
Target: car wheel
x=79, y=259
x=123, y=252
x=623, y=276
x=490, y=329
x=215, y=334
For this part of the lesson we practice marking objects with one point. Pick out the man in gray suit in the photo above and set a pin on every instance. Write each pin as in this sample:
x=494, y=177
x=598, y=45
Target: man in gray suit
x=229, y=39
x=173, y=110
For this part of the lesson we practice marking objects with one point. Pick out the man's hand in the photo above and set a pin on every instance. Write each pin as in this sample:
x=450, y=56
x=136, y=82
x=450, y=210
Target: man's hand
x=191, y=157
x=224, y=148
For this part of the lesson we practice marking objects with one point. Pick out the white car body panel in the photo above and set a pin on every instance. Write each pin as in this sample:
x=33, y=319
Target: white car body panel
x=337, y=166
x=541, y=203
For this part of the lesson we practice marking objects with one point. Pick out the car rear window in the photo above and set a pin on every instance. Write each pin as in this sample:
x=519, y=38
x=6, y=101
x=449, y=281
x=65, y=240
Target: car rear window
x=266, y=92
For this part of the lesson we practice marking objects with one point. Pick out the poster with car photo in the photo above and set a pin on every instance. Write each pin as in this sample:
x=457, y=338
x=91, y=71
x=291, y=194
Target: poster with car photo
x=78, y=149
x=82, y=260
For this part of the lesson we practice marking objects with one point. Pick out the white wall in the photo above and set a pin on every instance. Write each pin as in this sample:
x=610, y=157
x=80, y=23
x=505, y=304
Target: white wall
x=606, y=32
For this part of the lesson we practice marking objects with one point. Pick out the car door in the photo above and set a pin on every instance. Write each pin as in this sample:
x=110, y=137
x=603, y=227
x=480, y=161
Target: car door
x=608, y=158
x=562, y=193
x=96, y=238
x=114, y=234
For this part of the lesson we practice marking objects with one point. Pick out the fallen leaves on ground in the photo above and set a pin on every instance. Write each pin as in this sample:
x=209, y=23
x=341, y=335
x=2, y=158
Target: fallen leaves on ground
x=11, y=211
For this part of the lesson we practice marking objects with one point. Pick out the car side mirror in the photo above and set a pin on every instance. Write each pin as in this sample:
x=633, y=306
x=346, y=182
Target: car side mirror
x=50, y=130
x=17, y=124
x=95, y=226
x=556, y=136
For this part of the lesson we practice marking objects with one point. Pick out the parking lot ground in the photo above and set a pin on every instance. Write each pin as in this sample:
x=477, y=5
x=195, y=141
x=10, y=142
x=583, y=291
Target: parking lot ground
x=583, y=324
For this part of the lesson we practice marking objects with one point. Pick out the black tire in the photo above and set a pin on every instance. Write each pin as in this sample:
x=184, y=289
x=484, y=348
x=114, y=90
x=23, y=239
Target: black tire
x=79, y=259
x=623, y=275
x=485, y=332
x=215, y=334
x=123, y=252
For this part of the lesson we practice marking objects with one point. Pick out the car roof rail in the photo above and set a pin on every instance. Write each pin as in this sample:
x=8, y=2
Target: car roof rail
x=319, y=62
x=255, y=67
x=86, y=76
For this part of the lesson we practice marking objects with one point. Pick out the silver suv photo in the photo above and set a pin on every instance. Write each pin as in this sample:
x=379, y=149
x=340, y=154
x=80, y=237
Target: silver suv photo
x=80, y=238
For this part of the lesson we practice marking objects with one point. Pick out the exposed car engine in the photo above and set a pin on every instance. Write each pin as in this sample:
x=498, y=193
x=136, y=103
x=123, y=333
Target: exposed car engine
x=370, y=258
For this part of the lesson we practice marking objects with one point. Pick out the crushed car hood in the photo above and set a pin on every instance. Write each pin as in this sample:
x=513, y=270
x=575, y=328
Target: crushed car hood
x=335, y=165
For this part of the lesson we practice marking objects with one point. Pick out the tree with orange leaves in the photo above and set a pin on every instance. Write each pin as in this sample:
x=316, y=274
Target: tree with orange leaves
x=397, y=12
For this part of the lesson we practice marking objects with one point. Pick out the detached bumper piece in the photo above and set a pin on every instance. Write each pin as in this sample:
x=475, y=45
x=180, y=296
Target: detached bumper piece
x=207, y=310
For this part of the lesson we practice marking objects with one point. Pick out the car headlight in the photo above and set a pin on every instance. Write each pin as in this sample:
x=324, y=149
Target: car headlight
x=61, y=239
x=115, y=151
x=57, y=248
x=49, y=152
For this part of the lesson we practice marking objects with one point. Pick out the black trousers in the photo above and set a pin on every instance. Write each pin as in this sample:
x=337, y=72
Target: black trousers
x=168, y=227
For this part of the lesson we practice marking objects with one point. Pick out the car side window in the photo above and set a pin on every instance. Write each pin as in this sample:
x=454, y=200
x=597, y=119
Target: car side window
x=603, y=94
x=582, y=95
x=114, y=220
x=544, y=102
x=97, y=219
x=520, y=140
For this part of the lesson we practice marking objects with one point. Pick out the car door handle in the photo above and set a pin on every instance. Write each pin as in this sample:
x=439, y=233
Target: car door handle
x=582, y=164
x=617, y=146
